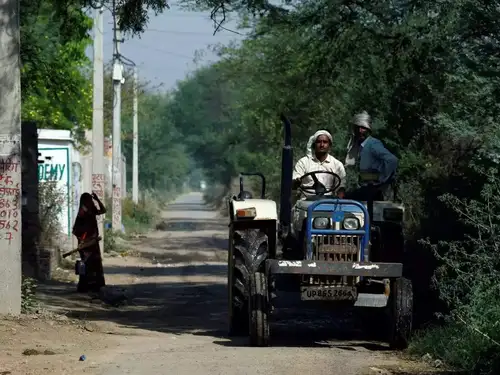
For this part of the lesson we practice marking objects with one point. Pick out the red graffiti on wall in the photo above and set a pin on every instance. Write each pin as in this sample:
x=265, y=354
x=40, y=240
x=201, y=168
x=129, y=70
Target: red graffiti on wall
x=10, y=194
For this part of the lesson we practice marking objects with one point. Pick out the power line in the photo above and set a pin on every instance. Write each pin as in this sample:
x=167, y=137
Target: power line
x=190, y=33
x=188, y=15
x=166, y=52
x=177, y=32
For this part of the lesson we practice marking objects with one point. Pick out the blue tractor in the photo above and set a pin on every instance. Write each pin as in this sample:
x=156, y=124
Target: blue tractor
x=342, y=252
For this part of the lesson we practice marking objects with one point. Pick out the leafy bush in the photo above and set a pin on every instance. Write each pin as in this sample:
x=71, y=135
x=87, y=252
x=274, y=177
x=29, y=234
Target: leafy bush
x=468, y=280
x=51, y=201
x=110, y=244
x=137, y=218
x=142, y=213
x=28, y=294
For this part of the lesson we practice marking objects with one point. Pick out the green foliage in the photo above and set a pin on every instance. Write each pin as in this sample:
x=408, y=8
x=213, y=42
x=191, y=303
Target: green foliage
x=110, y=243
x=469, y=282
x=164, y=161
x=28, y=295
x=55, y=86
x=50, y=202
x=137, y=218
x=144, y=213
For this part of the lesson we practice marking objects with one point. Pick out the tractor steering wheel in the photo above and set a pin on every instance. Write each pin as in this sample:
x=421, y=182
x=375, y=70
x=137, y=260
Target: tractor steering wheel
x=318, y=188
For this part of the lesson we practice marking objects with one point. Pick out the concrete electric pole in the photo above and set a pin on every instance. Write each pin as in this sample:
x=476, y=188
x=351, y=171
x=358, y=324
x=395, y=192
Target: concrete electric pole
x=118, y=80
x=135, y=162
x=98, y=180
x=10, y=159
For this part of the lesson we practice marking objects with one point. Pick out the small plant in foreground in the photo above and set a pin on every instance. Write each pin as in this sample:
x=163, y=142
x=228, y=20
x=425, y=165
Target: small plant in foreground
x=28, y=294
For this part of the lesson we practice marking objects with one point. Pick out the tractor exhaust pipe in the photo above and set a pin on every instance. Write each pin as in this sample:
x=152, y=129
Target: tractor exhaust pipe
x=286, y=177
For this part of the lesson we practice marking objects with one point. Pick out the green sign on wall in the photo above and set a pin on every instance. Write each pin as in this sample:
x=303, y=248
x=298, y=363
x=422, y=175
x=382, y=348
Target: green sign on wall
x=51, y=172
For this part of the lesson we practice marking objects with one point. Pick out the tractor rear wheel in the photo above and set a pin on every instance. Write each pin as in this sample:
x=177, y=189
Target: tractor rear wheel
x=401, y=313
x=259, y=310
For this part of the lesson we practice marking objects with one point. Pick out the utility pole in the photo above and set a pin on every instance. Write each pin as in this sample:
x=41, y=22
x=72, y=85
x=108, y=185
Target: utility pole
x=117, y=153
x=10, y=159
x=98, y=180
x=135, y=162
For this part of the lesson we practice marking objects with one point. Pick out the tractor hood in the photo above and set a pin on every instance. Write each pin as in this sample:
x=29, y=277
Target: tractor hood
x=378, y=208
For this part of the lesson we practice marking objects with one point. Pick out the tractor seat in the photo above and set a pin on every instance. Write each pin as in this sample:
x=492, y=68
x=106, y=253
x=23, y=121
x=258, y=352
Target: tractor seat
x=244, y=195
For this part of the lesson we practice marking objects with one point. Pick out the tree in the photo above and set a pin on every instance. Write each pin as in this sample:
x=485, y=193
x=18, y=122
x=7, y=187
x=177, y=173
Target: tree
x=164, y=163
x=56, y=90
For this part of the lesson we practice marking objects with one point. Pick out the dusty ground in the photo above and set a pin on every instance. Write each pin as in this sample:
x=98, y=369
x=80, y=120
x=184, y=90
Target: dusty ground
x=166, y=313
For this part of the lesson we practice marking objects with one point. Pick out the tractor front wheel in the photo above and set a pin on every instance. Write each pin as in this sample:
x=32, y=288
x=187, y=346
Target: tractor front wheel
x=258, y=310
x=401, y=313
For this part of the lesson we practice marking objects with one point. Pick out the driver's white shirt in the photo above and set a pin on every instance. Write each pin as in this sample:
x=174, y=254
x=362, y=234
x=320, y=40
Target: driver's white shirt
x=309, y=164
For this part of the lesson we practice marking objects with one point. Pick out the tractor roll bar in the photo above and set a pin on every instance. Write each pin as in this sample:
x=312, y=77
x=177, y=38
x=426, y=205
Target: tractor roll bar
x=263, y=189
x=286, y=176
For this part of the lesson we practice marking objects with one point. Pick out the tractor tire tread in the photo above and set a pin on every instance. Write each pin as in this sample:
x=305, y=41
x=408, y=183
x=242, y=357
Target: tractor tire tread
x=259, y=310
x=248, y=245
x=402, y=313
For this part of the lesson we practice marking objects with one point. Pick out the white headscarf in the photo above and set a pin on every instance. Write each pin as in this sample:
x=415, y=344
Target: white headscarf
x=313, y=138
x=363, y=120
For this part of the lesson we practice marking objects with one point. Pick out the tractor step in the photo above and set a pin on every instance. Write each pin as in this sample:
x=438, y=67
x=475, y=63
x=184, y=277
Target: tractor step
x=371, y=300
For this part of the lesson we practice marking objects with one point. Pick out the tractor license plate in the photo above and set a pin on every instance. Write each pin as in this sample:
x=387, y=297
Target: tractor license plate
x=328, y=293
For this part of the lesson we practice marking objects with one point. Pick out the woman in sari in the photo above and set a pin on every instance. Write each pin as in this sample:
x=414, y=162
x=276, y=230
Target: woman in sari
x=86, y=231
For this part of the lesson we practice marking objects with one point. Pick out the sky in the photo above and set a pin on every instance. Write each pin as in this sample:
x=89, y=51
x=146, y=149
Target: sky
x=165, y=51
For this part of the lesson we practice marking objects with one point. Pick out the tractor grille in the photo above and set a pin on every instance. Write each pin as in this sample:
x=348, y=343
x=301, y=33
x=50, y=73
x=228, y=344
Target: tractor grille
x=334, y=249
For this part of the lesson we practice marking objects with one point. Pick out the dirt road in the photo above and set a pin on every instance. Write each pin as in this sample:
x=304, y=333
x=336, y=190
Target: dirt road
x=173, y=316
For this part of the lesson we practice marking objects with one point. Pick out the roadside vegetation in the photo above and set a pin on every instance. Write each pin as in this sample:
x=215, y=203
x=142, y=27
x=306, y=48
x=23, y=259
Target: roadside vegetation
x=137, y=219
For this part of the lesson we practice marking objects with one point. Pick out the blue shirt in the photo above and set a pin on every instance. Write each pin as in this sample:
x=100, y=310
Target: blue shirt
x=374, y=157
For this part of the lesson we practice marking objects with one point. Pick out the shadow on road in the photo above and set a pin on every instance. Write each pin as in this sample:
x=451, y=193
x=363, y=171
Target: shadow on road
x=160, y=270
x=183, y=224
x=189, y=207
x=166, y=247
x=200, y=308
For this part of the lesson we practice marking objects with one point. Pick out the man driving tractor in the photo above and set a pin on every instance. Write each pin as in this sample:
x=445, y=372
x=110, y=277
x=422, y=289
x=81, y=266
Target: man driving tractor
x=319, y=160
x=377, y=165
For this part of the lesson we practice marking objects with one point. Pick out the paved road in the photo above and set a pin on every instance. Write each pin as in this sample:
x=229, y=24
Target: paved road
x=179, y=314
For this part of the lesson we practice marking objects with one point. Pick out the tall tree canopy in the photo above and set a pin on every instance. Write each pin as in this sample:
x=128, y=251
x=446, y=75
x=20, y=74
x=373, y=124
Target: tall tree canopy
x=55, y=86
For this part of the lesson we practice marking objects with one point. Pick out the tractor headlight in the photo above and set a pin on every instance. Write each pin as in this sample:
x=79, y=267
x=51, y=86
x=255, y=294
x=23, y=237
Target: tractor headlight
x=321, y=223
x=351, y=223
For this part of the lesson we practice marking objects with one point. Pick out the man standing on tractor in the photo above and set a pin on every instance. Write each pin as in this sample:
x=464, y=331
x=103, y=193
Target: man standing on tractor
x=319, y=160
x=377, y=165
